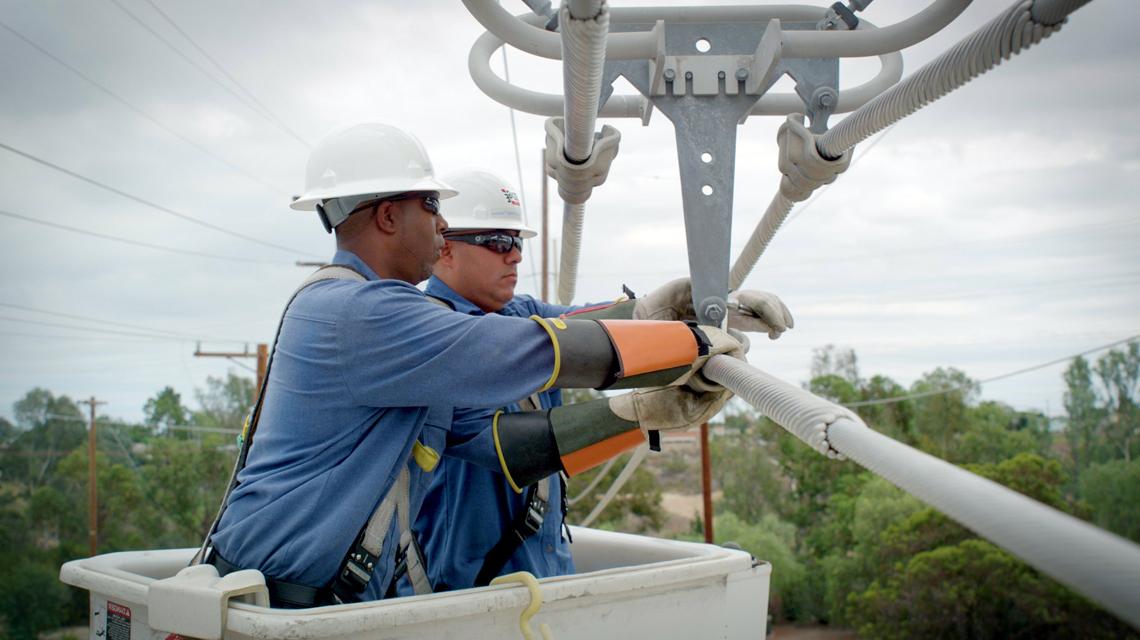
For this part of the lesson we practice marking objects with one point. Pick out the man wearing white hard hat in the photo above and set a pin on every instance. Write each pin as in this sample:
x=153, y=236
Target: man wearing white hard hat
x=365, y=370
x=476, y=524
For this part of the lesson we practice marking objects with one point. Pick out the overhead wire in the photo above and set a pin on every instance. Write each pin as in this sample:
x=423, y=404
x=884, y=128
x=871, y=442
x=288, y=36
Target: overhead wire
x=152, y=205
x=267, y=115
x=951, y=389
x=150, y=334
x=126, y=325
x=138, y=243
x=140, y=112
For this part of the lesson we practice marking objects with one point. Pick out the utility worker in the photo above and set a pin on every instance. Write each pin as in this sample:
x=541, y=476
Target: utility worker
x=365, y=371
x=474, y=524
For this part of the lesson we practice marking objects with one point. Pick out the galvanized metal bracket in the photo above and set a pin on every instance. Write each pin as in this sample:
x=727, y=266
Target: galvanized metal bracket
x=706, y=79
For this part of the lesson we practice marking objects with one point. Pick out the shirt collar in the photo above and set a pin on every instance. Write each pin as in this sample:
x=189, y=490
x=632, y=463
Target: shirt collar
x=438, y=289
x=350, y=259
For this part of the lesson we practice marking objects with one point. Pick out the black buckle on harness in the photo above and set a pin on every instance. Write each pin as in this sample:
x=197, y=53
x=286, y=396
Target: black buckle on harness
x=356, y=572
x=534, y=515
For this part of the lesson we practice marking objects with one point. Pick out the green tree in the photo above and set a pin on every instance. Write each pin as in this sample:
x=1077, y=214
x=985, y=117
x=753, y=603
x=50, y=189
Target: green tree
x=224, y=403
x=1084, y=414
x=749, y=479
x=972, y=589
x=1119, y=375
x=165, y=410
x=997, y=432
x=941, y=417
x=49, y=427
x=773, y=541
x=1112, y=491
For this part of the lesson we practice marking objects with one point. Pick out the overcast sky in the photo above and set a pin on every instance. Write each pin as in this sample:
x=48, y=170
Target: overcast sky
x=991, y=231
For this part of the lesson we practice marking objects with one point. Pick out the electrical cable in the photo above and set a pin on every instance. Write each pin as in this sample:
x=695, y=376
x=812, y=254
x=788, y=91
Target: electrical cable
x=267, y=115
x=138, y=111
x=136, y=334
x=138, y=243
x=72, y=316
x=935, y=392
x=120, y=423
x=152, y=205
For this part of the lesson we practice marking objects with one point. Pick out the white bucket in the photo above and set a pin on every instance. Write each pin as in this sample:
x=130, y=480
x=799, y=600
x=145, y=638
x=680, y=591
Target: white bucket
x=627, y=586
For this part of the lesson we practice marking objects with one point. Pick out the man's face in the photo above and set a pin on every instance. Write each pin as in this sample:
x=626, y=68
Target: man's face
x=484, y=277
x=421, y=235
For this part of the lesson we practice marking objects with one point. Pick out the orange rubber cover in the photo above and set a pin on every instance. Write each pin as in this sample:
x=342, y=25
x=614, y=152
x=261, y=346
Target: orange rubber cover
x=589, y=457
x=645, y=346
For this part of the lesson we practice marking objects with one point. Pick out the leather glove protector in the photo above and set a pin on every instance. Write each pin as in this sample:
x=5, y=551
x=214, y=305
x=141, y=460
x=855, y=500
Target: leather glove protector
x=748, y=310
x=667, y=408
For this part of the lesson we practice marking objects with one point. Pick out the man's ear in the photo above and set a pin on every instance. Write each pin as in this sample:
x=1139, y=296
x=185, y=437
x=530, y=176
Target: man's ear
x=387, y=218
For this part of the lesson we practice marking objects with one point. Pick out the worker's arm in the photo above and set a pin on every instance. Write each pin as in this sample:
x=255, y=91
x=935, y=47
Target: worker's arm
x=528, y=446
x=401, y=350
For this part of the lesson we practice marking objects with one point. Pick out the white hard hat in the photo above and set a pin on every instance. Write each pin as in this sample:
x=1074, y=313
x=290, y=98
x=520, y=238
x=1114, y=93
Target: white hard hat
x=485, y=201
x=364, y=162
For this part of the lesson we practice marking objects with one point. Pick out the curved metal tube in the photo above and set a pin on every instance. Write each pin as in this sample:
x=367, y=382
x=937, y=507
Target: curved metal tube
x=543, y=104
x=859, y=43
x=528, y=37
x=634, y=106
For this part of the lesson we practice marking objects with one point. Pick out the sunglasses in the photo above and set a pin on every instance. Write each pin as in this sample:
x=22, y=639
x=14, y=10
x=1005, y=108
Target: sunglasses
x=498, y=242
x=430, y=200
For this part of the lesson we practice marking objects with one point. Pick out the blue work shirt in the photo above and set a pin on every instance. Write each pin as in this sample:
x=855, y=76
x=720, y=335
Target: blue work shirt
x=470, y=504
x=356, y=366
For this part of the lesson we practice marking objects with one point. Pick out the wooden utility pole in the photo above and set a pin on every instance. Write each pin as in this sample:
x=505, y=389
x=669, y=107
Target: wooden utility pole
x=545, y=228
x=262, y=355
x=706, y=482
x=92, y=496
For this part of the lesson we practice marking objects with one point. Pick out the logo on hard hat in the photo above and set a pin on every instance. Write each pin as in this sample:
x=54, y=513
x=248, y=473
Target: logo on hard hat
x=510, y=196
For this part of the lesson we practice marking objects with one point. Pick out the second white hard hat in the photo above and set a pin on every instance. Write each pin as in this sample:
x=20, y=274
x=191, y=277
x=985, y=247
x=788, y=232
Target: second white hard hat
x=367, y=160
x=485, y=201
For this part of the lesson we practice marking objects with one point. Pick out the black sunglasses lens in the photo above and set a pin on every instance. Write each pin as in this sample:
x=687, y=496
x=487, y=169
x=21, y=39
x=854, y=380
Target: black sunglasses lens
x=431, y=203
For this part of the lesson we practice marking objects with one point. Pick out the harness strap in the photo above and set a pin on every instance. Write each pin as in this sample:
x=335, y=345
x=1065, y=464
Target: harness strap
x=527, y=523
x=327, y=272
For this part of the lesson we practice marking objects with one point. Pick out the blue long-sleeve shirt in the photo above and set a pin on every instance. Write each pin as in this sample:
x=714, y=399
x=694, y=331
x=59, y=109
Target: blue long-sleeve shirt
x=469, y=503
x=355, y=369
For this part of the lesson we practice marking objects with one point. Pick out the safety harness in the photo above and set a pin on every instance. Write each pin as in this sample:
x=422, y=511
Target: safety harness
x=356, y=570
x=526, y=524
x=529, y=521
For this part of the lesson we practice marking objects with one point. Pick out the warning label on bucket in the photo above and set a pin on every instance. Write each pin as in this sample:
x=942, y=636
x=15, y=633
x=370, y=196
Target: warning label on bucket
x=118, y=622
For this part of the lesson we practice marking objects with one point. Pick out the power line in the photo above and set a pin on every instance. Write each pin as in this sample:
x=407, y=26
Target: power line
x=173, y=334
x=151, y=335
x=935, y=392
x=123, y=101
x=199, y=67
x=136, y=334
x=274, y=118
x=119, y=423
x=152, y=205
x=138, y=243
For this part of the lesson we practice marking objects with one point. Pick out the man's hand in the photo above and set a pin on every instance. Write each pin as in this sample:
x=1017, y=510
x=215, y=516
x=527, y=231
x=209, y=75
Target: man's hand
x=666, y=408
x=752, y=311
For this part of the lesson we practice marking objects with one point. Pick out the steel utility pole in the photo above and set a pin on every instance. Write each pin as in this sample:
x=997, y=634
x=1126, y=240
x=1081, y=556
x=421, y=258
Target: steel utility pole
x=92, y=496
x=545, y=228
x=262, y=356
